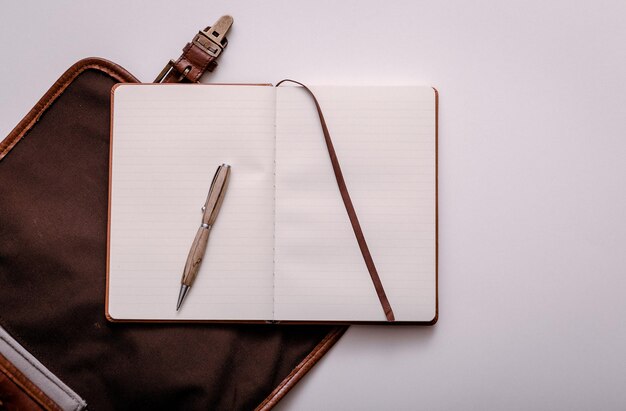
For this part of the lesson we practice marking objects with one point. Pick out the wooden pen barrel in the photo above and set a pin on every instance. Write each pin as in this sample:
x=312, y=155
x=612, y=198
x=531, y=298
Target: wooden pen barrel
x=194, y=259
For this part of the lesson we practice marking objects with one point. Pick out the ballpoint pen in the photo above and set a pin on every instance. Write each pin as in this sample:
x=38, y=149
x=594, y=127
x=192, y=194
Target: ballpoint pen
x=210, y=210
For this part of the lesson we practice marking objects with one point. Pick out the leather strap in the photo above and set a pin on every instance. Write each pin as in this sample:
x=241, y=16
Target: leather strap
x=17, y=392
x=199, y=55
x=192, y=64
x=356, y=226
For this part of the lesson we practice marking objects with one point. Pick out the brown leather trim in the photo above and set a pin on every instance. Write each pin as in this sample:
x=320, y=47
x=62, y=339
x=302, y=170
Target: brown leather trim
x=26, y=385
x=301, y=369
x=20, y=130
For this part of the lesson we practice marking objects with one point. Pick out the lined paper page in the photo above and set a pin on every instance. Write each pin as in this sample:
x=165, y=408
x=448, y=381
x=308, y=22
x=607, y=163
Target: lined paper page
x=167, y=143
x=385, y=141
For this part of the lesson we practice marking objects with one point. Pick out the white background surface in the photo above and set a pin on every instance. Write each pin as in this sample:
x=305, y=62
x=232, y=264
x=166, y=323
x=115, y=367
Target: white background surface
x=532, y=175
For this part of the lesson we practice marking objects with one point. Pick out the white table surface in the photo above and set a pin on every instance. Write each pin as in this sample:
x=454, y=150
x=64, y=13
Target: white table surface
x=532, y=159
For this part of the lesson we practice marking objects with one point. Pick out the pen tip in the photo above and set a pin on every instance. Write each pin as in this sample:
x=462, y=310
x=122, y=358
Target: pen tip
x=184, y=289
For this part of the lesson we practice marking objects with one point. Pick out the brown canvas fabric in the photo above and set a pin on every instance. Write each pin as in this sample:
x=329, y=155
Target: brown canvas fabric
x=53, y=221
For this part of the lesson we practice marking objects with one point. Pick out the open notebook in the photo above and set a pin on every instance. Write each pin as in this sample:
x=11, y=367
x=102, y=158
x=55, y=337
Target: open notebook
x=282, y=248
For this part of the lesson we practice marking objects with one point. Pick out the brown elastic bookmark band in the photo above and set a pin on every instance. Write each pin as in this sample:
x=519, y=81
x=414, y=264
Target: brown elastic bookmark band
x=367, y=256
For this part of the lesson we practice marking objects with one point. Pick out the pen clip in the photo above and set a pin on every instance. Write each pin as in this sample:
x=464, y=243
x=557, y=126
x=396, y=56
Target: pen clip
x=211, y=188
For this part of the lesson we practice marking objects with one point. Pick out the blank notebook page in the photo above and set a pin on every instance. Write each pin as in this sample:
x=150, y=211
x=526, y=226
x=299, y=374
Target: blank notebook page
x=167, y=143
x=385, y=141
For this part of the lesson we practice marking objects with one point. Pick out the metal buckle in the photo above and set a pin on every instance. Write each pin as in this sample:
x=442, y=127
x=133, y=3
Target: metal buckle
x=213, y=39
x=167, y=69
